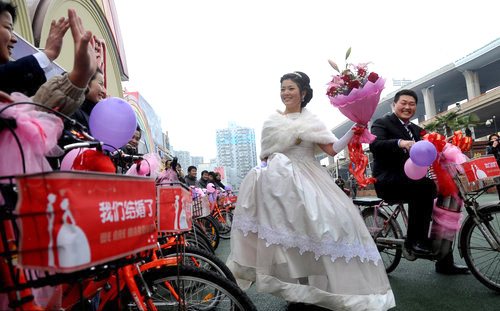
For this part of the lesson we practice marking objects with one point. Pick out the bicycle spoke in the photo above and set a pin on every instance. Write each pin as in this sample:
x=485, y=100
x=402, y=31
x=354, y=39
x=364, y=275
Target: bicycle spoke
x=482, y=258
x=380, y=227
x=195, y=289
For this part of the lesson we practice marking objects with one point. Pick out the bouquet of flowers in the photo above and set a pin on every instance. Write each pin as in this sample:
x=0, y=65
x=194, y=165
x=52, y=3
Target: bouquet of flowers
x=356, y=92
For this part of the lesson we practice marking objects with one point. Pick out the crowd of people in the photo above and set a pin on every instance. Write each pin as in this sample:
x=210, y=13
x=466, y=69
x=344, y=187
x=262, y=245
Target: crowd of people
x=191, y=178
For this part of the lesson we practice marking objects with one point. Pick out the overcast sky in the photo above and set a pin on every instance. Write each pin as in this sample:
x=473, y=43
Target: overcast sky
x=201, y=64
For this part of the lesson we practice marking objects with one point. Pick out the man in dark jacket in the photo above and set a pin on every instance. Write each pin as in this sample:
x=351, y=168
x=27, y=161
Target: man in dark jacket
x=190, y=178
x=203, y=181
x=395, y=135
x=27, y=74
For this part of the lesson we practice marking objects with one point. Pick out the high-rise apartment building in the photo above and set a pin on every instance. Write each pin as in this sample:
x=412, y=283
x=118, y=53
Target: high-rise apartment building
x=236, y=149
x=184, y=158
x=195, y=161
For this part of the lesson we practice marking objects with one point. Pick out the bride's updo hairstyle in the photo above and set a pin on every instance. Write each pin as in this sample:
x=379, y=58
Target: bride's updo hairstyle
x=302, y=80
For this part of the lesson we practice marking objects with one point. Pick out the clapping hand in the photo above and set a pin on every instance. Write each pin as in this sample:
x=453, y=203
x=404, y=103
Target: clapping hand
x=54, y=41
x=85, y=63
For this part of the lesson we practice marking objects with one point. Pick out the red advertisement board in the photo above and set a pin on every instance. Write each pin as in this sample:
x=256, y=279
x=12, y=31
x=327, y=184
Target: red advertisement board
x=74, y=220
x=481, y=168
x=175, y=208
x=231, y=200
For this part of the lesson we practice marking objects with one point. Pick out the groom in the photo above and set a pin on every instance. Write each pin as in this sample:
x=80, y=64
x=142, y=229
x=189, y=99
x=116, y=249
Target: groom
x=395, y=135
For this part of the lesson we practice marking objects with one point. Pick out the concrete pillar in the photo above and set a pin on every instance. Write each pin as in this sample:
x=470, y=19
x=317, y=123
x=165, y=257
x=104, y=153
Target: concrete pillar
x=472, y=83
x=429, y=104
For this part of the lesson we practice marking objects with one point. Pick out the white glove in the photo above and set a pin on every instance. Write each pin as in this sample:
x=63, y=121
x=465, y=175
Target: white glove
x=340, y=144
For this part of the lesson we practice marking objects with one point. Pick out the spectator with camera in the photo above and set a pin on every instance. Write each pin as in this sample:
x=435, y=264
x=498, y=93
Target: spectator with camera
x=492, y=148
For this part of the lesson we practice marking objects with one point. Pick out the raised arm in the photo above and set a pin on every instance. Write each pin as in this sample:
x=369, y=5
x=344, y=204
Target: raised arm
x=67, y=92
x=54, y=41
x=333, y=148
x=84, y=64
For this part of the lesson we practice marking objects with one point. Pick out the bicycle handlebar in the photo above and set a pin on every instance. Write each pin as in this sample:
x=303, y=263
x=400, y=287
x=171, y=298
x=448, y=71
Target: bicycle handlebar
x=86, y=144
x=131, y=156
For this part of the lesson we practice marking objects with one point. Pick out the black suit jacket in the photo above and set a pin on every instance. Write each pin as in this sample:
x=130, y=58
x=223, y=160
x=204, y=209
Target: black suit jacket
x=389, y=159
x=23, y=75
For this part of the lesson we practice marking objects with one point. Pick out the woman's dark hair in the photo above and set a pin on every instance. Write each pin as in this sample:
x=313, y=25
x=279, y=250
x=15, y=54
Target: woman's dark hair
x=9, y=8
x=302, y=81
x=138, y=129
x=493, y=135
x=98, y=70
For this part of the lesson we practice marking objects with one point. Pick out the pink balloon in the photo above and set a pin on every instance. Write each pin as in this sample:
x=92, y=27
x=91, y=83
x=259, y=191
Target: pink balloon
x=69, y=158
x=414, y=171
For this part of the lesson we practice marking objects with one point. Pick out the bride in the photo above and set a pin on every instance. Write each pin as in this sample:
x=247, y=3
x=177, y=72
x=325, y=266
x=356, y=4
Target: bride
x=295, y=233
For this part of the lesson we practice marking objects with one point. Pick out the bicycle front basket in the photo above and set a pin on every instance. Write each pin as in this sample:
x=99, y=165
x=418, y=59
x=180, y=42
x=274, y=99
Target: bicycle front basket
x=477, y=174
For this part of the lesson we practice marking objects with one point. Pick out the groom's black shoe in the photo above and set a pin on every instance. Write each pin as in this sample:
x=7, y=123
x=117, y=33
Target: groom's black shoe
x=451, y=269
x=419, y=249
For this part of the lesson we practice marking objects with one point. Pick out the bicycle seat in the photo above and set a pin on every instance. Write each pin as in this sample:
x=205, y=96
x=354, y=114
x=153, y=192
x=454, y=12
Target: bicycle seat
x=367, y=201
x=395, y=202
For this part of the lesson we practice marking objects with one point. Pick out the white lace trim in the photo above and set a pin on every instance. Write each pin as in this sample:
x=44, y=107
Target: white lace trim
x=329, y=247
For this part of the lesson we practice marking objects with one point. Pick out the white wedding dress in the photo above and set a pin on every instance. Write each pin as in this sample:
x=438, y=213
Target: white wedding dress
x=298, y=236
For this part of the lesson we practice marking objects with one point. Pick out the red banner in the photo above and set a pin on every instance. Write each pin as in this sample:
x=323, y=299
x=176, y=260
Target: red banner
x=231, y=200
x=175, y=208
x=74, y=220
x=481, y=168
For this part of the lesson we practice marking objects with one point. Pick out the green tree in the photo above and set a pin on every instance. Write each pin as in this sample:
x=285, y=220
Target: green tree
x=433, y=126
x=469, y=121
x=448, y=122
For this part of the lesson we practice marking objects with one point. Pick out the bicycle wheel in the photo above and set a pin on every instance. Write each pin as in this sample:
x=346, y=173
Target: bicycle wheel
x=225, y=229
x=202, y=259
x=199, y=240
x=199, y=289
x=211, y=230
x=391, y=255
x=482, y=260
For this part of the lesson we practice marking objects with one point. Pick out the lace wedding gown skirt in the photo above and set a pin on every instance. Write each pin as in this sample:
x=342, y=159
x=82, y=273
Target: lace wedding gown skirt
x=298, y=236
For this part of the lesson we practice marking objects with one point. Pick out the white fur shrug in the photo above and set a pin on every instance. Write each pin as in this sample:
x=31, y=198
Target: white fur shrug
x=280, y=132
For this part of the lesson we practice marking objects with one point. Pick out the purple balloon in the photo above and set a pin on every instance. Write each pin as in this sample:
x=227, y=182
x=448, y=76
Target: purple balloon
x=113, y=121
x=423, y=153
x=414, y=171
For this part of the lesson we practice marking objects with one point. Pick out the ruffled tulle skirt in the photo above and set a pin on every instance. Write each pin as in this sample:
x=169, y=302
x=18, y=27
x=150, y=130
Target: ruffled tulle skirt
x=298, y=236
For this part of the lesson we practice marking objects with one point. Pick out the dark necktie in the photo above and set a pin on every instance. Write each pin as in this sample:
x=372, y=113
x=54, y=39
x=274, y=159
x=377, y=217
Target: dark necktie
x=407, y=127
